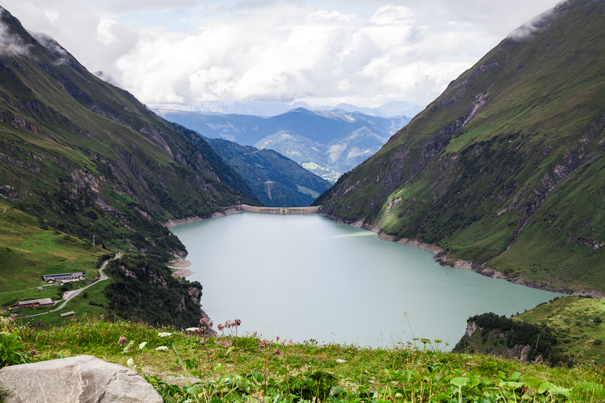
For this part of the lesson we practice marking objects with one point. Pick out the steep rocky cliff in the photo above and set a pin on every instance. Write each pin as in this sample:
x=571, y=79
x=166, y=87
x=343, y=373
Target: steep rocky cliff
x=506, y=168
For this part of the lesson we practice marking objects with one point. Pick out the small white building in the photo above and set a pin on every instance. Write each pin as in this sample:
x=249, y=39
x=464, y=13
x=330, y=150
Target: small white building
x=63, y=277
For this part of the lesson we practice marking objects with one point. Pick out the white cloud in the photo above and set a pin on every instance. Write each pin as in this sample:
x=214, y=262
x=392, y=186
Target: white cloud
x=53, y=46
x=360, y=52
x=390, y=14
x=293, y=53
x=9, y=43
x=120, y=6
x=76, y=27
x=530, y=27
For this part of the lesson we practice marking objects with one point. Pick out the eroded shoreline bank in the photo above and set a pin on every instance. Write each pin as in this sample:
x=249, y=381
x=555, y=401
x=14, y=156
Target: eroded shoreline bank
x=216, y=214
x=180, y=268
x=442, y=257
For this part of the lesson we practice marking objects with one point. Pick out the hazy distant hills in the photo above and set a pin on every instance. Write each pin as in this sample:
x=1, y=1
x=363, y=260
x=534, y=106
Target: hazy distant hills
x=507, y=167
x=86, y=158
x=268, y=109
x=326, y=143
x=277, y=181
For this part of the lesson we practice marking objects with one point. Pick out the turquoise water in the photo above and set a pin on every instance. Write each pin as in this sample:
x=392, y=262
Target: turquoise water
x=307, y=277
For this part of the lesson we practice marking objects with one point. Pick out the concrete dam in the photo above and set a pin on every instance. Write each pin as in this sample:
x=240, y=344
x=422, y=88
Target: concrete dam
x=279, y=210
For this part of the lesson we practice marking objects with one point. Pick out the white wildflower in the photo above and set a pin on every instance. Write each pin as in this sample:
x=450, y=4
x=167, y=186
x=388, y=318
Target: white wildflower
x=161, y=348
x=164, y=334
x=130, y=362
x=142, y=345
x=192, y=329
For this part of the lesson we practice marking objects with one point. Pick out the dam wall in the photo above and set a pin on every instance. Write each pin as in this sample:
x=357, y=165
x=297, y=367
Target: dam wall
x=280, y=210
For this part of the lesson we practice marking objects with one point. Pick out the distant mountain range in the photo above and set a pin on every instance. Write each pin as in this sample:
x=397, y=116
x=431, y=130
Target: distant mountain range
x=326, y=143
x=507, y=167
x=277, y=181
x=268, y=109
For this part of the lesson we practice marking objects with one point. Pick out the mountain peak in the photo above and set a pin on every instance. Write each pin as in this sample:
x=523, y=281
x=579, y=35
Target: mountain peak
x=300, y=110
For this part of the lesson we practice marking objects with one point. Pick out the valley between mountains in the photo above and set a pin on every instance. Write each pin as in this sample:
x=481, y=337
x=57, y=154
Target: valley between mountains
x=503, y=173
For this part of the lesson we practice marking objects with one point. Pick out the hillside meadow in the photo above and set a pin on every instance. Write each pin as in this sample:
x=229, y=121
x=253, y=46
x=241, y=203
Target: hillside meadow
x=185, y=366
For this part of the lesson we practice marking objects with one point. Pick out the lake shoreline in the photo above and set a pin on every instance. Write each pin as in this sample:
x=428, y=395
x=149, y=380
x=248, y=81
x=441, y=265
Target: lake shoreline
x=271, y=264
x=439, y=254
x=221, y=213
x=442, y=258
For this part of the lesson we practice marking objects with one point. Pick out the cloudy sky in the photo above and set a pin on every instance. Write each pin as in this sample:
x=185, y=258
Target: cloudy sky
x=362, y=52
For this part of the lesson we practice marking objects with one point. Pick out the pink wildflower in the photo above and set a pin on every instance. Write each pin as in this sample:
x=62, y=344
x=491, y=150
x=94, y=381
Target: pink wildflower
x=122, y=341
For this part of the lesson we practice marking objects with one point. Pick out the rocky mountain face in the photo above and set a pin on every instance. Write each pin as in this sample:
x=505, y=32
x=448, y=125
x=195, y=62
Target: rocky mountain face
x=87, y=158
x=326, y=143
x=277, y=181
x=506, y=168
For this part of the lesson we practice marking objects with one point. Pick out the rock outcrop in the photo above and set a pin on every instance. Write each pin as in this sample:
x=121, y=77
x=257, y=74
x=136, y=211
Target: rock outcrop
x=82, y=379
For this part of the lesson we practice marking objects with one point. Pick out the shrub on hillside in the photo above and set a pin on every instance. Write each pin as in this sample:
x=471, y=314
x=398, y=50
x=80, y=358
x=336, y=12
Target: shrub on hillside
x=541, y=339
x=143, y=289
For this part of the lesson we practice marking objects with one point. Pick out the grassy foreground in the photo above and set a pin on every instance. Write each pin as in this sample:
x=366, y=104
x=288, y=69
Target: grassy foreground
x=185, y=367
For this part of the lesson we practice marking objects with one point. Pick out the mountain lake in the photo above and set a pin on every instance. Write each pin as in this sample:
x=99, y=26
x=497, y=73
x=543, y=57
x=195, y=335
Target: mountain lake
x=306, y=277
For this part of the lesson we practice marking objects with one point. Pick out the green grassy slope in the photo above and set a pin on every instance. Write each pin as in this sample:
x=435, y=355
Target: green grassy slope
x=88, y=159
x=577, y=323
x=328, y=373
x=27, y=252
x=293, y=185
x=506, y=167
x=565, y=331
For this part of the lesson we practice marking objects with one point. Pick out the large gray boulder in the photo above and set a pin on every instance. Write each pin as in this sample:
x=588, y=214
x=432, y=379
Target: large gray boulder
x=82, y=379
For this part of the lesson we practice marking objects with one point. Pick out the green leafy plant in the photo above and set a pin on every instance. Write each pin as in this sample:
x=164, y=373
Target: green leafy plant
x=10, y=350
